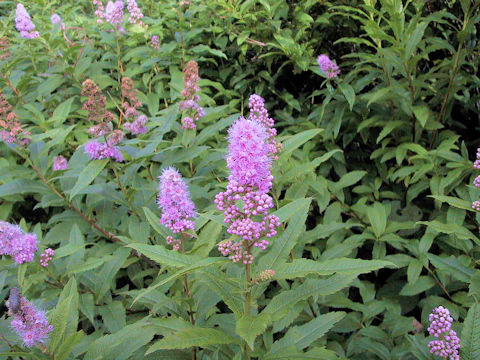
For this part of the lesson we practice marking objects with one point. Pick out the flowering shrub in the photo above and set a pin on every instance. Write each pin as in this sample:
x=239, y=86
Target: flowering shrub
x=239, y=180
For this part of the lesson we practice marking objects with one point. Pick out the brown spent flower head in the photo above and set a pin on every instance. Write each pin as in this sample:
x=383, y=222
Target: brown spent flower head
x=95, y=103
x=190, y=80
x=130, y=94
x=10, y=127
x=4, y=46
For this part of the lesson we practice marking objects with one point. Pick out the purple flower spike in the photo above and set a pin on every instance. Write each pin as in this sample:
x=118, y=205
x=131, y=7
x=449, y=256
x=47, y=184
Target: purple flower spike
x=174, y=201
x=447, y=344
x=14, y=242
x=328, y=67
x=24, y=23
x=28, y=322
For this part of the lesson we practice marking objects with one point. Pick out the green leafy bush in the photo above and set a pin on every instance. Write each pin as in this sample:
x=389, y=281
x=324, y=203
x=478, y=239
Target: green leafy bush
x=373, y=186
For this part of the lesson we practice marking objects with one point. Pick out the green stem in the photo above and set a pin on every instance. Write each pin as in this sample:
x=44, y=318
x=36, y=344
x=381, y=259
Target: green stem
x=248, y=302
x=189, y=295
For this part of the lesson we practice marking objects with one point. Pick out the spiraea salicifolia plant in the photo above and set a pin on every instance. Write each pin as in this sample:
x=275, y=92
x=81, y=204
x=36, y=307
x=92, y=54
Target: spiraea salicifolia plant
x=153, y=208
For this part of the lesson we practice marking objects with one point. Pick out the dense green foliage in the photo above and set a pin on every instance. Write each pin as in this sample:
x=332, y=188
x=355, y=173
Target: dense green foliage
x=373, y=186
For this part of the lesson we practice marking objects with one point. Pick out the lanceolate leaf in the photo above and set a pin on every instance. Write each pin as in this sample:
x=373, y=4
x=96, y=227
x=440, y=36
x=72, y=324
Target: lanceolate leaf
x=470, y=339
x=187, y=338
x=87, y=175
x=249, y=327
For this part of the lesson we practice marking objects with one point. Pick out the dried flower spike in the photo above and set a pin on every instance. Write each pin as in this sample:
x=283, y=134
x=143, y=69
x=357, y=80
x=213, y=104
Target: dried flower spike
x=189, y=92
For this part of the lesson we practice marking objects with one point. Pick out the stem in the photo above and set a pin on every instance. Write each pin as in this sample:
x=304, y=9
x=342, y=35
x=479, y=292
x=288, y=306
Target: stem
x=248, y=302
x=125, y=195
x=186, y=289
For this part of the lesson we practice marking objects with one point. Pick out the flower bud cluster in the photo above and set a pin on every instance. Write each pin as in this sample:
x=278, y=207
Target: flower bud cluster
x=4, y=46
x=155, y=42
x=476, y=182
x=189, y=93
x=15, y=243
x=10, y=127
x=447, y=344
x=46, y=257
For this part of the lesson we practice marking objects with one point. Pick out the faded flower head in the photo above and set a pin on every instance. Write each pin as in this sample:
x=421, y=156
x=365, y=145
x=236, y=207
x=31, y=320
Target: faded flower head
x=55, y=19
x=174, y=201
x=10, y=127
x=4, y=46
x=328, y=67
x=137, y=126
x=59, y=163
x=24, y=23
x=27, y=321
x=447, y=344
x=190, y=104
x=15, y=243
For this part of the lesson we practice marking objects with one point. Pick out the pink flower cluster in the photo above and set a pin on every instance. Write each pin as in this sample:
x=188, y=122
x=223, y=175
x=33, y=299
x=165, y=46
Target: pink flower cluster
x=328, y=67
x=24, y=23
x=245, y=203
x=155, y=43
x=476, y=182
x=174, y=201
x=175, y=243
x=190, y=104
x=59, y=163
x=46, y=257
x=112, y=13
x=28, y=322
x=98, y=151
x=135, y=13
x=448, y=342
x=15, y=243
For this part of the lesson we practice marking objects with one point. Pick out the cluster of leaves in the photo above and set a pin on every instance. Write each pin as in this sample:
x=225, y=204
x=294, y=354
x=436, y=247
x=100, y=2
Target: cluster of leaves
x=373, y=185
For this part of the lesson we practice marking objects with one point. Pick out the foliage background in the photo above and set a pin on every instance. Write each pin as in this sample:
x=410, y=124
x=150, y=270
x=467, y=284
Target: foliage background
x=376, y=166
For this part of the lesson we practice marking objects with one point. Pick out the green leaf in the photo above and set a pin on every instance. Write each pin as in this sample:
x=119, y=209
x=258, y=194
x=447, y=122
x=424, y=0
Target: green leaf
x=64, y=318
x=348, y=92
x=461, y=231
x=422, y=113
x=414, y=39
x=377, y=216
x=452, y=266
x=87, y=175
x=298, y=140
x=304, y=335
x=423, y=283
x=249, y=327
x=163, y=256
x=187, y=338
x=62, y=111
x=154, y=220
x=228, y=289
x=453, y=201
x=282, y=245
x=200, y=264
x=106, y=275
x=348, y=180
x=285, y=300
x=347, y=266
x=419, y=347
x=66, y=348
x=293, y=354
x=470, y=339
